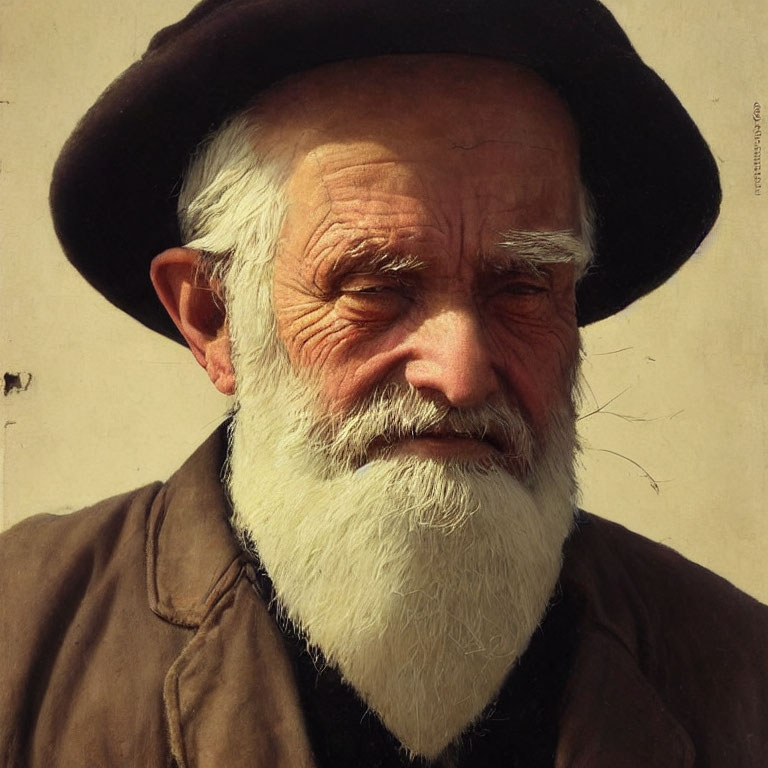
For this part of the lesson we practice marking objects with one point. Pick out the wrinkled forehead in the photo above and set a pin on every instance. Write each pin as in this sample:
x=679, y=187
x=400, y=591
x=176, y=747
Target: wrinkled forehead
x=440, y=102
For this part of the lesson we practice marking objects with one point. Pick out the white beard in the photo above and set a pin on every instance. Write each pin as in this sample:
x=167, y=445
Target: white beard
x=422, y=581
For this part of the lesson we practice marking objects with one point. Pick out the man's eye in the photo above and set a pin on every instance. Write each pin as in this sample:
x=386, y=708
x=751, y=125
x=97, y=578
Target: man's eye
x=519, y=297
x=521, y=288
x=369, y=289
x=362, y=301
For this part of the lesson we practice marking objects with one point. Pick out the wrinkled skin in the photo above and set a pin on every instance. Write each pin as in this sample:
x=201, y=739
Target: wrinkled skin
x=423, y=164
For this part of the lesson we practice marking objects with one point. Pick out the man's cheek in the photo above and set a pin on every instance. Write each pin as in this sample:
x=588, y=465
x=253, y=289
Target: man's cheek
x=315, y=337
x=538, y=370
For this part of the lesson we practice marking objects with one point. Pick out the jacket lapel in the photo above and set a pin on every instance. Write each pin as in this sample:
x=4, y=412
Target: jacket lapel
x=190, y=545
x=612, y=717
x=230, y=697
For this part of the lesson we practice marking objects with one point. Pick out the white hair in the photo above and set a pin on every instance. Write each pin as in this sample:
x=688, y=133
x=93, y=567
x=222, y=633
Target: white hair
x=232, y=203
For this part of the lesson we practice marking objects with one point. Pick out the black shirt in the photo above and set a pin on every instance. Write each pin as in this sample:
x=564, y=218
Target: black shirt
x=518, y=730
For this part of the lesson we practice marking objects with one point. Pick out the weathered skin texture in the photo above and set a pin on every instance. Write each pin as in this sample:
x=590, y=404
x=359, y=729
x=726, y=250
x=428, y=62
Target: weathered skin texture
x=405, y=174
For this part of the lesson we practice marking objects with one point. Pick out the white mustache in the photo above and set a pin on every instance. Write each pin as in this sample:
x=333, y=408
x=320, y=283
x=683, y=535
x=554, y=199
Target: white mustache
x=395, y=413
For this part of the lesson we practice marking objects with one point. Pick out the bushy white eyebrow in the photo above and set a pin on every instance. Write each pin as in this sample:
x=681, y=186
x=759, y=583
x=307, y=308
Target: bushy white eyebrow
x=371, y=255
x=518, y=248
x=515, y=250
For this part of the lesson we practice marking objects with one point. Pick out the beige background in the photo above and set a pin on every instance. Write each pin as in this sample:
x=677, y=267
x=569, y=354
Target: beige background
x=683, y=373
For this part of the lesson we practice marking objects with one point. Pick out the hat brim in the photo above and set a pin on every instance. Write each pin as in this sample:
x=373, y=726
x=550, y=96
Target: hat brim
x=651, y=176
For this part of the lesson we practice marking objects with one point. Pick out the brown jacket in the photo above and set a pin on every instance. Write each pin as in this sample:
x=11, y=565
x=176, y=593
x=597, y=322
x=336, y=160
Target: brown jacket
x=132, y=635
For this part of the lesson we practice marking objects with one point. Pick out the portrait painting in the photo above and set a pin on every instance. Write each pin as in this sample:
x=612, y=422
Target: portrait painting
x=100, y=397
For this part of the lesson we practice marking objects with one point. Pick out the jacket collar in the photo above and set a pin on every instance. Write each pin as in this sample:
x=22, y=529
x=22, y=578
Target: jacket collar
x=190, y=545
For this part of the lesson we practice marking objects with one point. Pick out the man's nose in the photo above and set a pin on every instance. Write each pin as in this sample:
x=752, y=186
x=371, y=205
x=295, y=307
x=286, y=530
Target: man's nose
x=450, y=354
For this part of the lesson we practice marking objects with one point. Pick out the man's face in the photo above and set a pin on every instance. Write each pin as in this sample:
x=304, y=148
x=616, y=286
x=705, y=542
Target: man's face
x=392, y=268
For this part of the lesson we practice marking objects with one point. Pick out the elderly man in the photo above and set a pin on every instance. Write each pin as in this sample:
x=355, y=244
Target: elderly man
x=395, y=225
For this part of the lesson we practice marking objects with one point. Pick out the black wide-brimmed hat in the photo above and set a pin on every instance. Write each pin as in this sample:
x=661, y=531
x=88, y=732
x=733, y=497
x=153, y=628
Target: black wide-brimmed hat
x=651, y=176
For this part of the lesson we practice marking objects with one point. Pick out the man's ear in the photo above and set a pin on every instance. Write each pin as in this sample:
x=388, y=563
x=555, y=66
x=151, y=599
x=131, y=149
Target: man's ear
x=195, y=308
